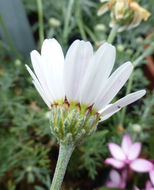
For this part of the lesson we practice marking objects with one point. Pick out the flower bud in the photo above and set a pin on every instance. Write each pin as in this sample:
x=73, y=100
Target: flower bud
x=120, y=47
x=47, y=115
x=54, y=22
x=139, y=40
x=17, y=62
x=136, y=128
x=29, y=169
x=100, y=28
x=129, y=51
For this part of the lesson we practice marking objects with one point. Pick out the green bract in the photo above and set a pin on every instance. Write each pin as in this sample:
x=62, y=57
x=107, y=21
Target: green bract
x=71, y=123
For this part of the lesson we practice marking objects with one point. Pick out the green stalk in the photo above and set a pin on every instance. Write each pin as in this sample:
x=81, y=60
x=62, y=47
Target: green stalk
x=147, y=52
x=80, y=22
x=40, y=19
x=90, y=33
x=18, y=56
x=67, y=20
x=112, y=34
x=65, y=153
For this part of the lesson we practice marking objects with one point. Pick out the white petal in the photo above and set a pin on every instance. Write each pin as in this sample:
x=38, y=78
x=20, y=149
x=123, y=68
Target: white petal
x=39, y=71
x=134, y=151
x=102, y=1
x=105, y=108
x=97, y=73
x=77, y=59
x=113, y=85
x=115, y=107
x=130, y=98
x=103, y=9
x=116, y=151
x=53, y=60
x=106, y=116
x=40, y=89
x=41, y=92
x=126, y=143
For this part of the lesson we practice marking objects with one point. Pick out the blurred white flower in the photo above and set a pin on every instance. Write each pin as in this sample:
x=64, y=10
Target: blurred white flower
x=126, y=13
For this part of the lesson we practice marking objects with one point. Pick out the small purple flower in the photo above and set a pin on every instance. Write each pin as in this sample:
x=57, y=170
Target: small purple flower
x=117, y=180
x=127, y=155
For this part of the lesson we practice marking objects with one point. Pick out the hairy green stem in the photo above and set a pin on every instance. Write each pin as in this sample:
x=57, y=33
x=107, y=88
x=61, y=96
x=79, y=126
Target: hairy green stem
x=40, y=19
x=112, y=34
x=18, y=56
x=147, y=52
x=67, y=20
x=65, y=153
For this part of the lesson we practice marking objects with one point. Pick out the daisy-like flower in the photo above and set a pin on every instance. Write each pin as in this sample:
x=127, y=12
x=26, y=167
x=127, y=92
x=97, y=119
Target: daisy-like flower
x=126, y=13
x=117, y=180
x=127, y=155
x=79, y=88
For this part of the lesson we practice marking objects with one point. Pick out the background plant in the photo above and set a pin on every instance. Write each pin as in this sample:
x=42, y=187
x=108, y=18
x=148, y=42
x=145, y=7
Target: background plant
x=28, y=152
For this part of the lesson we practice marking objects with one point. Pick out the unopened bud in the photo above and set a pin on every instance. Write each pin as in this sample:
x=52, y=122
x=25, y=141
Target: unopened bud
x=139, y=40
x=129, y=51
x=29, y=169
x=120, y=47
x=137, y=128
x=54, y=22
x=17, y=62
x=100, y=28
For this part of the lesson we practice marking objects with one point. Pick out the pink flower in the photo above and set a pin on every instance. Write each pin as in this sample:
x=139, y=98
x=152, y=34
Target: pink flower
x=117, y=180
x=136, y=188
x=151, y=174
x=127, y=155
x=149, y=186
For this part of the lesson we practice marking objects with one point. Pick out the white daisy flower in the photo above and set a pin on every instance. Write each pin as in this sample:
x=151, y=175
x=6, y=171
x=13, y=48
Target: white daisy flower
x=82, y=79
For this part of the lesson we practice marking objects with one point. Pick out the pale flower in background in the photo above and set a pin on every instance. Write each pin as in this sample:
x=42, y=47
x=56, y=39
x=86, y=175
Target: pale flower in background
x=127, y=155
x=117, y=180
x=126, y=13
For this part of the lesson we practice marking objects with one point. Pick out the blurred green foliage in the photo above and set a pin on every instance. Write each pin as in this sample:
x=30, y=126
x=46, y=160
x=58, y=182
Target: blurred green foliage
x=28, y=151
